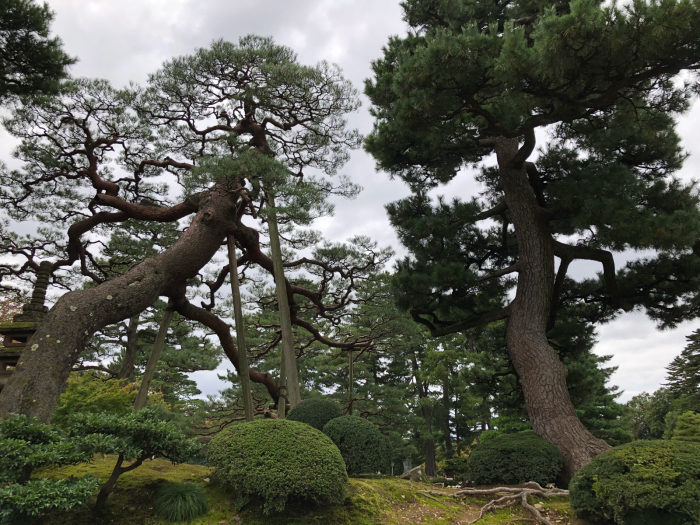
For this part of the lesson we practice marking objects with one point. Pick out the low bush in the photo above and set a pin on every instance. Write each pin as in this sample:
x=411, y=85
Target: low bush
x=514, y=459
x=654, y=482
x=278, y=461
x=315, y=412
x=364, y=449
x=181, y=502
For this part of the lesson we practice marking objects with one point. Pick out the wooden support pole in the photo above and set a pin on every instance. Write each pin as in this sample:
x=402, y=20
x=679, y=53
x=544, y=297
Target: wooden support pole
x=142, y=395
x=288, y=354
x=350, y=385
x=243, y=370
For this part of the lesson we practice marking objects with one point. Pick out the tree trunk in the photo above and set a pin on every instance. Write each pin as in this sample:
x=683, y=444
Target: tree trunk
x=243, y=369
x=129, y=361
x=142, y=395
x=541, y=373
x=108, y=487
x=429, y=445
x=34, y=387
x=446, y=406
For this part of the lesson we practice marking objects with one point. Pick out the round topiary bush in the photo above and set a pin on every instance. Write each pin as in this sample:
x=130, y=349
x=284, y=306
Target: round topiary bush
x=513, y=459
x=364, y=449
x=181, y=502
x=654, y=482
x=276, y=461
x=315, y=412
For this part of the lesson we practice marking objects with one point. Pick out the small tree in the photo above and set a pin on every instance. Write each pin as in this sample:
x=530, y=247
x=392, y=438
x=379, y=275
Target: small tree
x=26, y=445
x=135, y=437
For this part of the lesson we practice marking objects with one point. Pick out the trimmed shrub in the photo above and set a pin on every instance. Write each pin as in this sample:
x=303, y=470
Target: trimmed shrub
x=277, y=461
x=455, y=468
x=513, y=459
x=315, y=412
x=654, y=482
x=181, y=502
x=364, y=449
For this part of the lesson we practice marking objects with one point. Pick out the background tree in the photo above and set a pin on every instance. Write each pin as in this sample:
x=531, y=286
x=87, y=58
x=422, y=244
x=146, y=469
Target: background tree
x=473, y=79
x=31, y=63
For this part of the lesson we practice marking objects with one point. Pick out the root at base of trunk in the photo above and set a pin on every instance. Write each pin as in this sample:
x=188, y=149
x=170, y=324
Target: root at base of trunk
x=513, y=496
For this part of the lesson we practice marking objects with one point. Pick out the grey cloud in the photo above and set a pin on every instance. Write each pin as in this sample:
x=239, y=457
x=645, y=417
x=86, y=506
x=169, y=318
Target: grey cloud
x=126, y=40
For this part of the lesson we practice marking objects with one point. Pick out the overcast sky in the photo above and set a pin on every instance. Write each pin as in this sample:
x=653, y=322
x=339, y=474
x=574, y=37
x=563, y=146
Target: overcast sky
x=126, y=40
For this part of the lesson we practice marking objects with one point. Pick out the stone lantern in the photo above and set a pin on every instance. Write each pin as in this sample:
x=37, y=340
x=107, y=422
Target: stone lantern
x=17, y=333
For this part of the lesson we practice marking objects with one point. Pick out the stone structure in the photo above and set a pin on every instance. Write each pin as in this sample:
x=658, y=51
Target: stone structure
x=17, y=333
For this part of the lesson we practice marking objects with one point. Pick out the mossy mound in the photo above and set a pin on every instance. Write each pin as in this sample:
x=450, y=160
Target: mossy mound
x=376, y=501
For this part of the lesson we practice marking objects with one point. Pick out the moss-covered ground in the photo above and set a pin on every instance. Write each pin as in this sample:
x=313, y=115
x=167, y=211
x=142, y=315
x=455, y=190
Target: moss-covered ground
x=370, y=501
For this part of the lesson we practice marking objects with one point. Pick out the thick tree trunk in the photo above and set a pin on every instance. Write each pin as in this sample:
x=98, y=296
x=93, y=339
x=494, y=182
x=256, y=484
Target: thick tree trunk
x=542, y=374
x=44, y=365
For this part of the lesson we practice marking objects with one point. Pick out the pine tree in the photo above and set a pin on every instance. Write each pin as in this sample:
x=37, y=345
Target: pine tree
x=683, y=377
x=31, y=63
x=475, y=78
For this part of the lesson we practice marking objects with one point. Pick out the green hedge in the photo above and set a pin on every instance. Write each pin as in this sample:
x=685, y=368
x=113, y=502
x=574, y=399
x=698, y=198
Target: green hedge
x=365, y=450
x=278, y=461
x=654, y=482
x=514, y=459
x=315, y=412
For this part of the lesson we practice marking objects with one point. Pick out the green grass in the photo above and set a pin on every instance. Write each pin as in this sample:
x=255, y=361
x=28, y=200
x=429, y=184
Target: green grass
x=370, y=501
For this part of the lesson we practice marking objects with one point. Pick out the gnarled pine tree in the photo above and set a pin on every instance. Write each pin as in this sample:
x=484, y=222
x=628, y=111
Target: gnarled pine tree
x=229, y=124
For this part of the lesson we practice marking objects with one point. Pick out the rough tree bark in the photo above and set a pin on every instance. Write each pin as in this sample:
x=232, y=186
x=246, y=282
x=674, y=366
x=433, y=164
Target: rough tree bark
x=541, y=372
x=43, y=368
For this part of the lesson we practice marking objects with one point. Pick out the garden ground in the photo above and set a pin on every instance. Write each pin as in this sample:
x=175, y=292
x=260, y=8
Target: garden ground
x=370, y=501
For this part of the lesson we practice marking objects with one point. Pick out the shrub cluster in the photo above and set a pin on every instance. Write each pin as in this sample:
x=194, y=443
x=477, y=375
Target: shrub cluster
x=25, y=445
x=181, y=502
x=514, y=459
x=641, y=482
x=315, y=412
x=277, y=461
x=364, y=449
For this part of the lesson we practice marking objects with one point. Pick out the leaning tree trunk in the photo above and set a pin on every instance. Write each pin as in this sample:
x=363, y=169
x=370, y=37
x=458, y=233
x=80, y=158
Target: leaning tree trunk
x=44, y=365
x=542, y=374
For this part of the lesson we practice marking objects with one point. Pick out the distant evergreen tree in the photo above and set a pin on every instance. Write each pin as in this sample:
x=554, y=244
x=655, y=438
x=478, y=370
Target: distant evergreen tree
x=683, y=378
x=30, y=62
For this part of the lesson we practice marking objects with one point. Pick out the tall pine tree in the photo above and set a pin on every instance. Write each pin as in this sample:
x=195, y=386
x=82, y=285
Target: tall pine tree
x=475, y=78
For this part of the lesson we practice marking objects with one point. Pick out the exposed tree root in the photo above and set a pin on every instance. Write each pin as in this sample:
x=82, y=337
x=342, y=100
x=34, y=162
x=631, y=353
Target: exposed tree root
x=513, y=497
